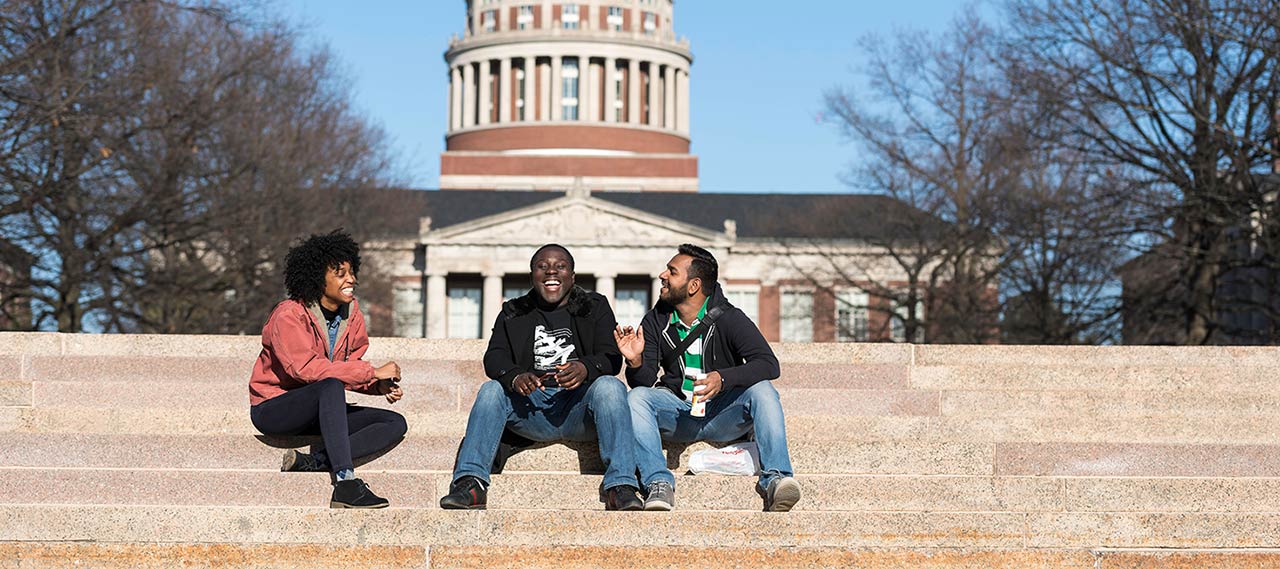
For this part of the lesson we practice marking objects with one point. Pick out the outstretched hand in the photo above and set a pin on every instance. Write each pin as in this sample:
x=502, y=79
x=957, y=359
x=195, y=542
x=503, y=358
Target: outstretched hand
x=631, y=344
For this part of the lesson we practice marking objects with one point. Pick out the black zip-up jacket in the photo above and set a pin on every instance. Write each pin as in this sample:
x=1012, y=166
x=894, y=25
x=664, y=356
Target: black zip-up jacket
x=510, y=351
x=732, y=345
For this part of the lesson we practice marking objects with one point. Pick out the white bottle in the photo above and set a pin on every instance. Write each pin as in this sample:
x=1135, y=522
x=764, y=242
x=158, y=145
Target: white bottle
x=699, y=404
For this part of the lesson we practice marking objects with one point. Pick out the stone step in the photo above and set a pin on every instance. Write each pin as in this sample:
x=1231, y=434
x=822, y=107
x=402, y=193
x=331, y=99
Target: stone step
x=557, y=491
x=469, y=373
x=431, y=398
x=567, y=491
x=165, y=555
x=437, y=454
x=808, y=457
x=490, y=557
x=686, y=529
x=995, y=356
x=1088, y=375
x=796, y=401
x=247, y=347
x=1232, y=429
x=42, y=555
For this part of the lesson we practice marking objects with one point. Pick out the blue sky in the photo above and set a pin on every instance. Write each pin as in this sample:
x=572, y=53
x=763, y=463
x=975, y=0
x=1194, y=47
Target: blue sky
x=757, y=79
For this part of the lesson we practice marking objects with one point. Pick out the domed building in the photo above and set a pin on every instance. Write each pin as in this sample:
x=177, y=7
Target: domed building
x=569, y=123
x=542, y=93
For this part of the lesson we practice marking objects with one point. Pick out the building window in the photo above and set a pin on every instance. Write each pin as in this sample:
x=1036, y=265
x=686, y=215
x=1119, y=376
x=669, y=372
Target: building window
x=513, y=291
x=633, y=303
x=615, y=18
x=407, y=312
x=619, y=96
x=569, y=89
x=650, y=22
x=489, y=19
x=569, y=16
x=520, y=106
x=797, y=316
x=898, y=327
x=851, y=316
x=464, y=311
x=524, y=20
x=747, y=300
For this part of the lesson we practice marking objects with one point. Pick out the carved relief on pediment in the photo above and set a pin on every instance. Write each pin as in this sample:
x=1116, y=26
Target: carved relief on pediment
x=577, y=223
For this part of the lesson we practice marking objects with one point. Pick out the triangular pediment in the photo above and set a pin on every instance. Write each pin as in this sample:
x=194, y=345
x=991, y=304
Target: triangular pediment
x=573, y=221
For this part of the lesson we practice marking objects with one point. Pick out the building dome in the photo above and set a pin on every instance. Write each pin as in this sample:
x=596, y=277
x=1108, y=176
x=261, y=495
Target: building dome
x=549, y=95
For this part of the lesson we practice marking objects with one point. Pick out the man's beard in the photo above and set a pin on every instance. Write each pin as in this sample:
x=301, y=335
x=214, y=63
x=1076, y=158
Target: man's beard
x=675, y=295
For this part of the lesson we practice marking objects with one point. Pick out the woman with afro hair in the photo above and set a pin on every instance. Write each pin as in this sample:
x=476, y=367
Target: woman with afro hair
x=312, y=346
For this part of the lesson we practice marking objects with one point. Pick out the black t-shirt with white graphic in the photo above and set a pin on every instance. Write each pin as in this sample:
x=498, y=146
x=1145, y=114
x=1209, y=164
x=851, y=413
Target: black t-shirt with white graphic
x=553, y=341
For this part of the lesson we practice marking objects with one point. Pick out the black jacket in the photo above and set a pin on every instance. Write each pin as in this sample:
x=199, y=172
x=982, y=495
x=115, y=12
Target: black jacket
x=510, y=351
x=732, y=345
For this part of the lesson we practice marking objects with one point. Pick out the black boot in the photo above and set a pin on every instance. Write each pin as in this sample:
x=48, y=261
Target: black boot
x=356, y=494
x=466, y=493
x=295, y=461
x=623, y=498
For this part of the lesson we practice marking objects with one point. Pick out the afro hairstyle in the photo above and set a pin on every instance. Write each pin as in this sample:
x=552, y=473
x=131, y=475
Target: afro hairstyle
x=307, y=263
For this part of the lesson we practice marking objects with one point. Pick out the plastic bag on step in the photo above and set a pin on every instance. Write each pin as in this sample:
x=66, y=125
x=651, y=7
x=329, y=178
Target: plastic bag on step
x=742, y=459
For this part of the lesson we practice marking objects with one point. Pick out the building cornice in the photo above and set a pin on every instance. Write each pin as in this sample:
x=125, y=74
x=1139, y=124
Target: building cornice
x=459, y=47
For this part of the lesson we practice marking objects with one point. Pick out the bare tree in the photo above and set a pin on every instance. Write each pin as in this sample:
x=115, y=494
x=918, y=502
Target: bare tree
x=159, y=158
x=1178, y=98
x=934, y=135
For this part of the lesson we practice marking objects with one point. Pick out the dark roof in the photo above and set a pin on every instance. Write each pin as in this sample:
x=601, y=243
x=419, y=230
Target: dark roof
x=825, y=216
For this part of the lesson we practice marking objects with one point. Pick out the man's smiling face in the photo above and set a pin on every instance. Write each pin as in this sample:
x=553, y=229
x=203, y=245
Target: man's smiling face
x=552, y=275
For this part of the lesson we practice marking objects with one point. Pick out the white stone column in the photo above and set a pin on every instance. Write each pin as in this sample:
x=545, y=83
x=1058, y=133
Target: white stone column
x=504, y=91
x=455, y=98
x=556, y=70
x=544, y=74
x=530, y=81
x=682, y=104
x=491, y=303
x=588, y=82
x=669, y=98
x=486, y=95
x=437, y=306
x=610, y=90
x=605, y=285
x=655, y=291
x=468, y=95
x=633, y=91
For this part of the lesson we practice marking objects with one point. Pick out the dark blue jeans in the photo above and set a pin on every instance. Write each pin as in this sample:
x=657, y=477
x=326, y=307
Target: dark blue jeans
x=594, y=412
x=321, y=408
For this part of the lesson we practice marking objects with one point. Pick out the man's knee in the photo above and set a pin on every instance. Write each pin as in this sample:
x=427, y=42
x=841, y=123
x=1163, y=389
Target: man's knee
x=607, y=388
x=491, y=392
x=763, y=392
x=641, y=399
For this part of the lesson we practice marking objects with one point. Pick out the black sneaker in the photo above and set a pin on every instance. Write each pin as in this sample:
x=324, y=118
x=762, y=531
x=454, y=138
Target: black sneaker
x=295, y=461
x=661, y=497
x=355, y=494
x=782, y=495
x=466, y=493
x=623, y=499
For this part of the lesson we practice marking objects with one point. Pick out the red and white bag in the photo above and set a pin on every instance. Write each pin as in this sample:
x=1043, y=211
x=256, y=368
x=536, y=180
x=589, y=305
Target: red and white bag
x=742, y=459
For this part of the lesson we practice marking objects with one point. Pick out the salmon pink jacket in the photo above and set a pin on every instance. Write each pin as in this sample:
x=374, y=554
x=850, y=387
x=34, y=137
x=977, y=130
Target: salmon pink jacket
x=295, y=351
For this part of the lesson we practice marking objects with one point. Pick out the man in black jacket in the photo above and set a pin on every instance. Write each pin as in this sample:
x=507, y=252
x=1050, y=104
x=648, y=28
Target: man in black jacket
x=553, y=362
x=731, y=366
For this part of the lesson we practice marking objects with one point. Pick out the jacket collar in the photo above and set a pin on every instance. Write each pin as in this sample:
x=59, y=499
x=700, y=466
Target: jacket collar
x=317, y=318
x=717, y=298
